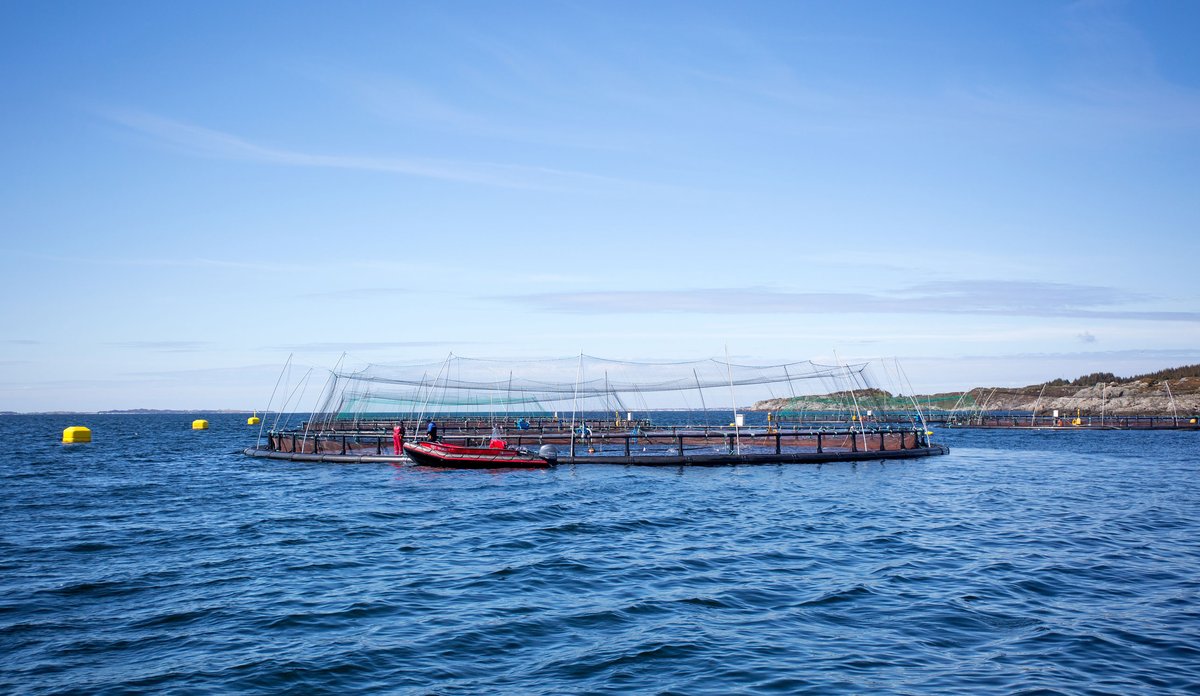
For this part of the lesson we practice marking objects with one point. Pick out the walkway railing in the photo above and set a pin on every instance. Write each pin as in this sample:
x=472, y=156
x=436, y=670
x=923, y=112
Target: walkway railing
x=676, y=440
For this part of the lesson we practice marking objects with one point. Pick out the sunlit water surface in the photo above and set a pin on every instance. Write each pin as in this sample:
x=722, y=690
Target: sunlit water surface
x=161, y=559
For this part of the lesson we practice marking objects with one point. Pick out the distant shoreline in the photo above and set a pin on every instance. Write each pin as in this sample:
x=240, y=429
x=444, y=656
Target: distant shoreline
x=128, y=412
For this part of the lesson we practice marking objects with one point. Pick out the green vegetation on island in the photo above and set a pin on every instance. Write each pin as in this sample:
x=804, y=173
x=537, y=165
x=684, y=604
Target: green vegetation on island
x=1174, y=389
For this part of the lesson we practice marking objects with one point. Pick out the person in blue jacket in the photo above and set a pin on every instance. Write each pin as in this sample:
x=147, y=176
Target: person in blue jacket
x=431, y=431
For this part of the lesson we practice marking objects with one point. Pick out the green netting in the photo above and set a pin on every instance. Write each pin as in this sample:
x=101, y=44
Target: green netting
x=586, y=383
x=884, y=401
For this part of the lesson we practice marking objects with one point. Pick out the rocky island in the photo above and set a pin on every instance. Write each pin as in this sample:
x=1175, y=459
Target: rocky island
x=1159, y=393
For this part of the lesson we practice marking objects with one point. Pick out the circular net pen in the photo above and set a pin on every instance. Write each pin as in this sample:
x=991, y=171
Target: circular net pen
x=590, y=409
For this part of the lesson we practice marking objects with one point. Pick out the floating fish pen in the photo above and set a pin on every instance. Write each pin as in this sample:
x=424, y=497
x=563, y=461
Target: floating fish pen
x=592, y=410
x=1029, y=421
x=908, y=417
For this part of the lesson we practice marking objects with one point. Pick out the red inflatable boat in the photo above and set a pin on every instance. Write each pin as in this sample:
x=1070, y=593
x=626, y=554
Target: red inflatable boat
x=459, y=457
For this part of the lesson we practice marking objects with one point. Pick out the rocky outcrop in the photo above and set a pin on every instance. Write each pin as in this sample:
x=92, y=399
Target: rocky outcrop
x=1130, y=397
x=1120, y=398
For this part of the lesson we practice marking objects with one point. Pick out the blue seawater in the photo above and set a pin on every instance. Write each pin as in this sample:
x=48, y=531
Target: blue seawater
x=159, y=559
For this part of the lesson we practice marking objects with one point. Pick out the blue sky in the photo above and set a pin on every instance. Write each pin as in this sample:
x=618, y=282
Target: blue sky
x=996, y=193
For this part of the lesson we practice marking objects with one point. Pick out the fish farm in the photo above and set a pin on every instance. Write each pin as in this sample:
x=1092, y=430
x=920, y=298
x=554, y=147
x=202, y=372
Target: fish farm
x=1041, y=421
x=589, y=410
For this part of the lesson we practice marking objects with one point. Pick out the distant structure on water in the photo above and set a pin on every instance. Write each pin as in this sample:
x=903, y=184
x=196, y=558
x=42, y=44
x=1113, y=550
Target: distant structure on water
x=586, y=409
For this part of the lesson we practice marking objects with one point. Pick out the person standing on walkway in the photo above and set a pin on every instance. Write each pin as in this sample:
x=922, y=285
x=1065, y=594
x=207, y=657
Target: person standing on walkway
x=398, y=438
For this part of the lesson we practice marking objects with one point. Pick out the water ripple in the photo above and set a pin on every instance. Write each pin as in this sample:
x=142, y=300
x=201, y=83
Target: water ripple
x=158, y=559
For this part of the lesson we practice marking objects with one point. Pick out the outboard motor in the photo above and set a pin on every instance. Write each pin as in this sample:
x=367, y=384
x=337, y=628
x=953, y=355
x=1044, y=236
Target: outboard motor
x=548, y=452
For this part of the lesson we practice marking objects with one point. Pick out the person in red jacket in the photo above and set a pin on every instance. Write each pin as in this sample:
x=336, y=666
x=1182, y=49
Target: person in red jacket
x=398, y=437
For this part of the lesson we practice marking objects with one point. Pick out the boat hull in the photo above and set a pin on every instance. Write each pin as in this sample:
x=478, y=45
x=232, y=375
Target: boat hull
x=458, y=457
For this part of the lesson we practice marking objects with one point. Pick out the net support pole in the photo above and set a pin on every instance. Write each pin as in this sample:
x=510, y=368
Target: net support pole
x=737, y=436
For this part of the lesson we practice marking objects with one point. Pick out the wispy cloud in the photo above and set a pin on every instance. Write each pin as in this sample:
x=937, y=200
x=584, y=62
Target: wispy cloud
x=396, y=99
x=341, y=346
x=165, y=346
x=1109, y=79
x=182, y=262
x=1002, y=298
x=206, y=142
x=21, y=342
x=1128, y=354
x=1106, y=82
x=1114, y=65
x=358, y=293
x=212, y=375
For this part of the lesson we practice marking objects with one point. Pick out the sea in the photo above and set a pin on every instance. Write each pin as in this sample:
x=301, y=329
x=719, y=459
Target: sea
x=158, y=559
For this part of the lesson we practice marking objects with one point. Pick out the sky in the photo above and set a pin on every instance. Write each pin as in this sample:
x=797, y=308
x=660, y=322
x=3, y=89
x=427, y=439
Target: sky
x=995, y=193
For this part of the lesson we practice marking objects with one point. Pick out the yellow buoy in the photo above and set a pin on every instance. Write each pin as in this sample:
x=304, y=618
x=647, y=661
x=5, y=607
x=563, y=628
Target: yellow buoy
x=200, y=424
x=253, y=420
x=76, y=433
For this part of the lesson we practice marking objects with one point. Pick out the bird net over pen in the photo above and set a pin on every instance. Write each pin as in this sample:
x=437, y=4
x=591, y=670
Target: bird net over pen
x=581, y=384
